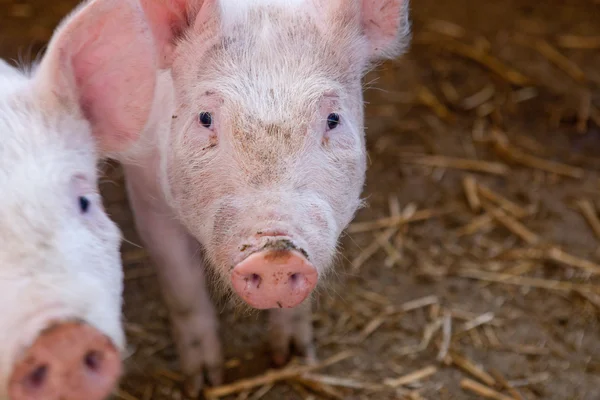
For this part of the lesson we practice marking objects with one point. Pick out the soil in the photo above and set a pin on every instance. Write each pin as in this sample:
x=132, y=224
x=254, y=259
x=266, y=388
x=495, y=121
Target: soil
x=518, y=295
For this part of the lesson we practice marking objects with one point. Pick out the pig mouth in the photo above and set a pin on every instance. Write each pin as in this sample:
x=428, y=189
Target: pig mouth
x=278, y=248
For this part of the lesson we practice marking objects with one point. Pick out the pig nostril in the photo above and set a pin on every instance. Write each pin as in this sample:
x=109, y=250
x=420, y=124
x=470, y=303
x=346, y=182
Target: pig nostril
x=92, y=360
x=255, y=280
x=295, y=280
x=36, y=379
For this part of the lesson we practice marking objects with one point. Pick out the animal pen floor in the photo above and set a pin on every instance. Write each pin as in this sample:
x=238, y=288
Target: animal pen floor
x=475, y=270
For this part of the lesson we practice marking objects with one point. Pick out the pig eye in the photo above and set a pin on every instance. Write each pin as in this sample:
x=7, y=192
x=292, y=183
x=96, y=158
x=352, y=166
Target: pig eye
x=205, y=119
x=333, y=120
x=84, y=204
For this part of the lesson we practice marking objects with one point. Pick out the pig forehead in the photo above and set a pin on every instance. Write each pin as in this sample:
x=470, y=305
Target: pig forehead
x=278, y=45
x=265, y=106
x=272, y=89
x=28, y=213
x=34, y=197
x=47, y=143
x=35, y=180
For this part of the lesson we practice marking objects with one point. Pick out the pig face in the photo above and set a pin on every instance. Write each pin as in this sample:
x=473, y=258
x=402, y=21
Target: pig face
x=59, y=257
x=266, y=158
x=61, y=277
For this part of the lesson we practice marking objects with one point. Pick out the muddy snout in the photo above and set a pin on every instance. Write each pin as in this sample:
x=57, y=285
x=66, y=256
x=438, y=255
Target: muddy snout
x=69, y=361
x=277, y=276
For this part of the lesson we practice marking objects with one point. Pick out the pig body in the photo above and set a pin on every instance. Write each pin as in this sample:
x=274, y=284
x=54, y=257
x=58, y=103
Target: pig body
x=257, y=160
x=61, y=277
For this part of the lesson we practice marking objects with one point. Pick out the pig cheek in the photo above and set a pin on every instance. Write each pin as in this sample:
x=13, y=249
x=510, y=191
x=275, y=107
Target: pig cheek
x=343, y=192
x=319, y=219
x=223, y=218
x=323, y=237
x=349, y=178
x=321, y=215
x=224, y=225
x=185, y=179
x=188, y=168
x=199, y=193
x=103, y=228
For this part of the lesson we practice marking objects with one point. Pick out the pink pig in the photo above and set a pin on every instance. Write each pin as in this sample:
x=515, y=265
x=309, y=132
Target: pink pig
x=257, y=158
x=61, y=278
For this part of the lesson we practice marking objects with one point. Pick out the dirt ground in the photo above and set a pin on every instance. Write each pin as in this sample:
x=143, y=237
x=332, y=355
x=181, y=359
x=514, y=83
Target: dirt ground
x=483, y=146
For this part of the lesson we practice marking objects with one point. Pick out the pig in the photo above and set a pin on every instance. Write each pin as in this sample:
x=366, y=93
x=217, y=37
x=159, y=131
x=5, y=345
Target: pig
x=256, y=162
x=61, y=279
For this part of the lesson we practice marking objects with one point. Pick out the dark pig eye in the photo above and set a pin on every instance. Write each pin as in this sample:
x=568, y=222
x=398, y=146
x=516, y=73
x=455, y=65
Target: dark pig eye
x=333, y=120
x=84, y=204
x=205, y=119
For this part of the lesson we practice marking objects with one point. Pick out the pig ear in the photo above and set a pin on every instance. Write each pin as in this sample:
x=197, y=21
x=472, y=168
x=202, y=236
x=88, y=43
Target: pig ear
x=101, y=61
x=170, y=18
x=386, y=25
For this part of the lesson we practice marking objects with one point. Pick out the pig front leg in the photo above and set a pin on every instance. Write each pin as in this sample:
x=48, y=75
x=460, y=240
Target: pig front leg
x=291, y=327
x=182, y=280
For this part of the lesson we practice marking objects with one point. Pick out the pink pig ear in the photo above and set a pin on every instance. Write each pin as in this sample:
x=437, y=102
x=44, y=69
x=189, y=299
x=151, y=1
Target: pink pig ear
x=170, y=18
x=386, y=25
x=101, y=60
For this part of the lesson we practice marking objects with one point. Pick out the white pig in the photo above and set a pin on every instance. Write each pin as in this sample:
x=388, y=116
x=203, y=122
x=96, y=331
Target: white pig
x=61, y=279
x=258, y=158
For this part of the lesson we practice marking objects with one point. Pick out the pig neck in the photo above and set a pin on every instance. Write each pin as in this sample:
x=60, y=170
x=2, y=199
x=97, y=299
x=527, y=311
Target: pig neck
x=146, y=158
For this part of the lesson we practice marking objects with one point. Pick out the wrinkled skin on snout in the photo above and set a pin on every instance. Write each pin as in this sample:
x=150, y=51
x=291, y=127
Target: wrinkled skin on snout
x=261, y=161
x=61, y=279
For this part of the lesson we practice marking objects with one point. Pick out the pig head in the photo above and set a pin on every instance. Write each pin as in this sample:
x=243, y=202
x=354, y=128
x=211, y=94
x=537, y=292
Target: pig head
x=265, y=159
x=61, y=277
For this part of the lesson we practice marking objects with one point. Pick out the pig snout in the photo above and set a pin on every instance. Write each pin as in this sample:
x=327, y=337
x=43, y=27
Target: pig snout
x=278, y=276
x=69, y=361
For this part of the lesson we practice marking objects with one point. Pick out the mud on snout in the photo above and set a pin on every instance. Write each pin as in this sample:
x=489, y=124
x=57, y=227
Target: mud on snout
x=274, y=273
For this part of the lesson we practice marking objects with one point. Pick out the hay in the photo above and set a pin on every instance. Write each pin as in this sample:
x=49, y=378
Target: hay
x=474, y=272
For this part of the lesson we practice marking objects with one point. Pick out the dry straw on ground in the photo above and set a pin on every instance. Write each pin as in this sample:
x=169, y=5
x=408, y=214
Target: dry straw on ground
x=475, y=271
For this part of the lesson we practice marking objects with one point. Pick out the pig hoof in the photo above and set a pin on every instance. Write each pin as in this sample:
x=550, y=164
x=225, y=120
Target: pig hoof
x=291, y=329
x=310, y=355
x=307, y=352
x=199, y=348
x=280, y=359
x=211, y=374
x=215, y=375
x=281, y=356
x=193, y=385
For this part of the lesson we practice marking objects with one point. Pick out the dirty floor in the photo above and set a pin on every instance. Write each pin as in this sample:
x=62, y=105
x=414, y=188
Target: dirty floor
x=474, y=271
